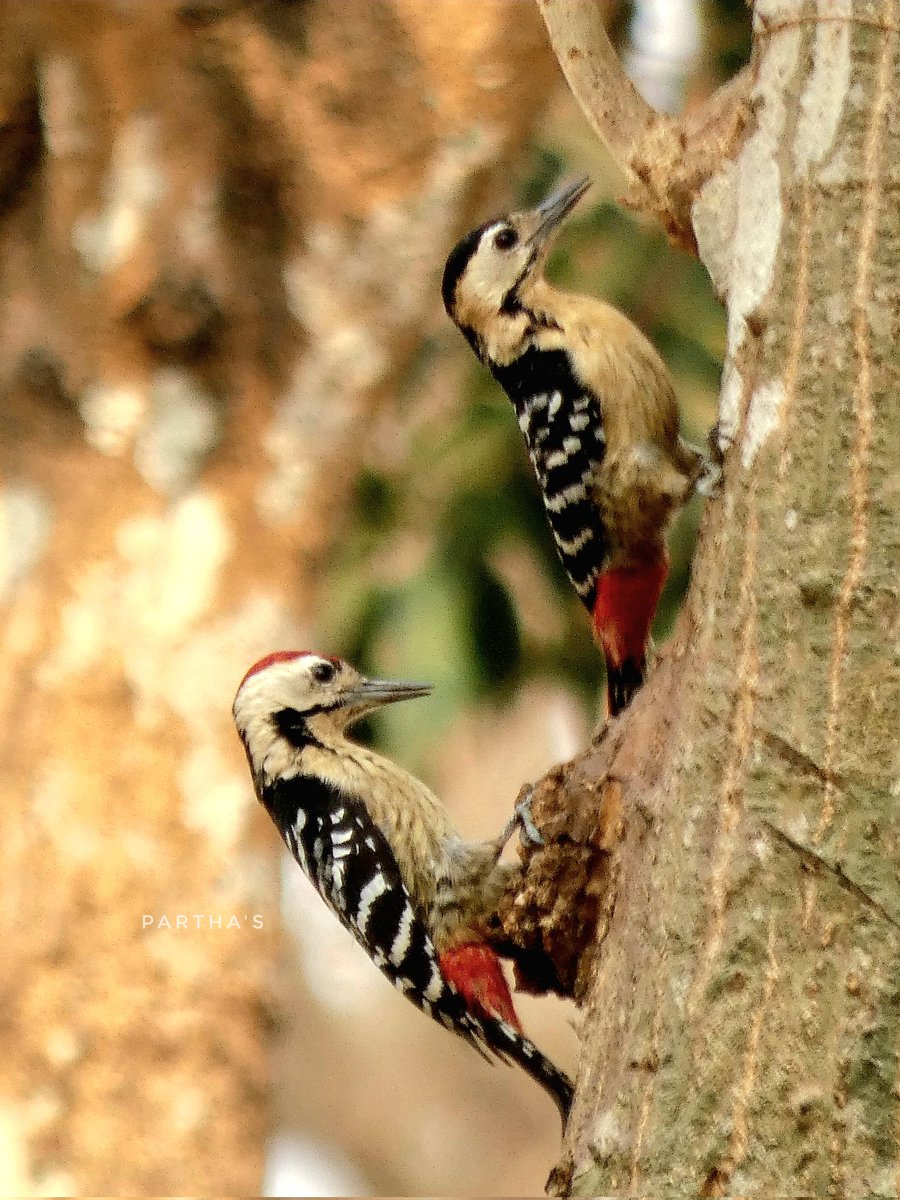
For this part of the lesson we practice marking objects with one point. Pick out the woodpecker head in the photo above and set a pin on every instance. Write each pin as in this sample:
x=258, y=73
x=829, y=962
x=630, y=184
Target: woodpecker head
x=490, y=273
x=293, y=699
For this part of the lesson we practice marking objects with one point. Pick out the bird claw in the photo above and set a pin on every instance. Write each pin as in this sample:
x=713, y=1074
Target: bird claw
x=709, y=482
x=528, y=831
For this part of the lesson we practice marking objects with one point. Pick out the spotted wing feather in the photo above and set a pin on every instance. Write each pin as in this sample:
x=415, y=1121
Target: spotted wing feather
x=562, y=424
x=349, y=861
x=347, y=858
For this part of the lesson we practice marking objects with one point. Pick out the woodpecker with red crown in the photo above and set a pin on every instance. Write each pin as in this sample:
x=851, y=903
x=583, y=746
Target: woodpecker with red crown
x=381, y=849
x=597, y=408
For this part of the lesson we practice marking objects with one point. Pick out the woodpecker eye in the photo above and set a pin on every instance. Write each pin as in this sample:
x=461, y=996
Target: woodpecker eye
x=323, y=672
x=505, y=238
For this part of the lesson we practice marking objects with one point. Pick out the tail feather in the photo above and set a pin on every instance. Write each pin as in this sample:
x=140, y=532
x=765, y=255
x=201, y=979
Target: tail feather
x=508, y=1044
x=474, y=973
x=622, y=681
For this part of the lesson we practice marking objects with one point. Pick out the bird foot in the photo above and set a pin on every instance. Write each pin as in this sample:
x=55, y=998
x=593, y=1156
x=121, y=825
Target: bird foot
x=709, y=466
x=709, y=483
x=523, y=820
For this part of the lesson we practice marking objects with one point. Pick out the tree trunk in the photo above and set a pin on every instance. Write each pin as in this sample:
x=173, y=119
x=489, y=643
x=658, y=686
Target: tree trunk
x=742, y=989
x=220, y=243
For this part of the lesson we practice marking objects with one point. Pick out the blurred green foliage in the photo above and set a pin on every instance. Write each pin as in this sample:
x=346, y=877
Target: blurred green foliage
x=727, y=35
x=421, y=585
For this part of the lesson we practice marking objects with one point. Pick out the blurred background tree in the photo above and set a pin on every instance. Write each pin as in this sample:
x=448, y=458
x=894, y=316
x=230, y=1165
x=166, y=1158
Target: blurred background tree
x=234, y=418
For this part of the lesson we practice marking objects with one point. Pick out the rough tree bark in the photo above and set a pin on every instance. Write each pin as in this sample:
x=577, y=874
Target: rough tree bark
x=720, y=883
x=218, y=232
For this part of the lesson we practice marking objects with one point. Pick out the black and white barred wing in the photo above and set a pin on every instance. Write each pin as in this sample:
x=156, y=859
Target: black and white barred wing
x=348, y=859
x=562, y=424
x=566, y=451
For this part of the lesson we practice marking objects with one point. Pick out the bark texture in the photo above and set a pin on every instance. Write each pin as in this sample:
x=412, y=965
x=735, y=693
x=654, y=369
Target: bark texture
x=739, y=826
x=219, y=232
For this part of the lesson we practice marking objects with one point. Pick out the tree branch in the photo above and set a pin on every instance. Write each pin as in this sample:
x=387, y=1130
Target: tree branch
x=666, y=161
x=615, y=109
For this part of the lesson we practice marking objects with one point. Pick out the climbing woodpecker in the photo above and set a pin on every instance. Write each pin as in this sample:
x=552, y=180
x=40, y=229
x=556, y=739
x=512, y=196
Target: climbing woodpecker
x=381, y=850
x=597, y=408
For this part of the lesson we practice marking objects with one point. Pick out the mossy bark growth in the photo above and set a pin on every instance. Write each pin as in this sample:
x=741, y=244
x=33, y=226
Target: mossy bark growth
x=742, y=992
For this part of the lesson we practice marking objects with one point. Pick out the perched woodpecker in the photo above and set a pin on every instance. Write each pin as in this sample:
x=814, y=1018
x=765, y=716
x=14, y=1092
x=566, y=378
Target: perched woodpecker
x=596, y=405
x=381, y=850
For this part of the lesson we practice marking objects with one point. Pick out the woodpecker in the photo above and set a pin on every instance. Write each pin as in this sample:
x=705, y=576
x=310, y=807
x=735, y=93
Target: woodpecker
x=382, y=851
x=597, y=408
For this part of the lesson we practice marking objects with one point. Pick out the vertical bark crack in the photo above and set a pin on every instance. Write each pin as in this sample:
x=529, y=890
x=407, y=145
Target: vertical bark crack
x=863, y=412
x=798, y=324
x=717, y=1181
x=647, y=1097
x=731, y=796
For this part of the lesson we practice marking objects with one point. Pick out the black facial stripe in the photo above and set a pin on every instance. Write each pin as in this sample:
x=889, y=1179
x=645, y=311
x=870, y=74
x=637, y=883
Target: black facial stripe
x=539, y=321
x=511, y=303
x=293, y=727
x=291, y=724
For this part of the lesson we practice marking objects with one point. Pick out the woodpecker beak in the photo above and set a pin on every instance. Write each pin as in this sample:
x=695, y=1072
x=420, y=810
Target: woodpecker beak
x=553, y=211
x=372, y=693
